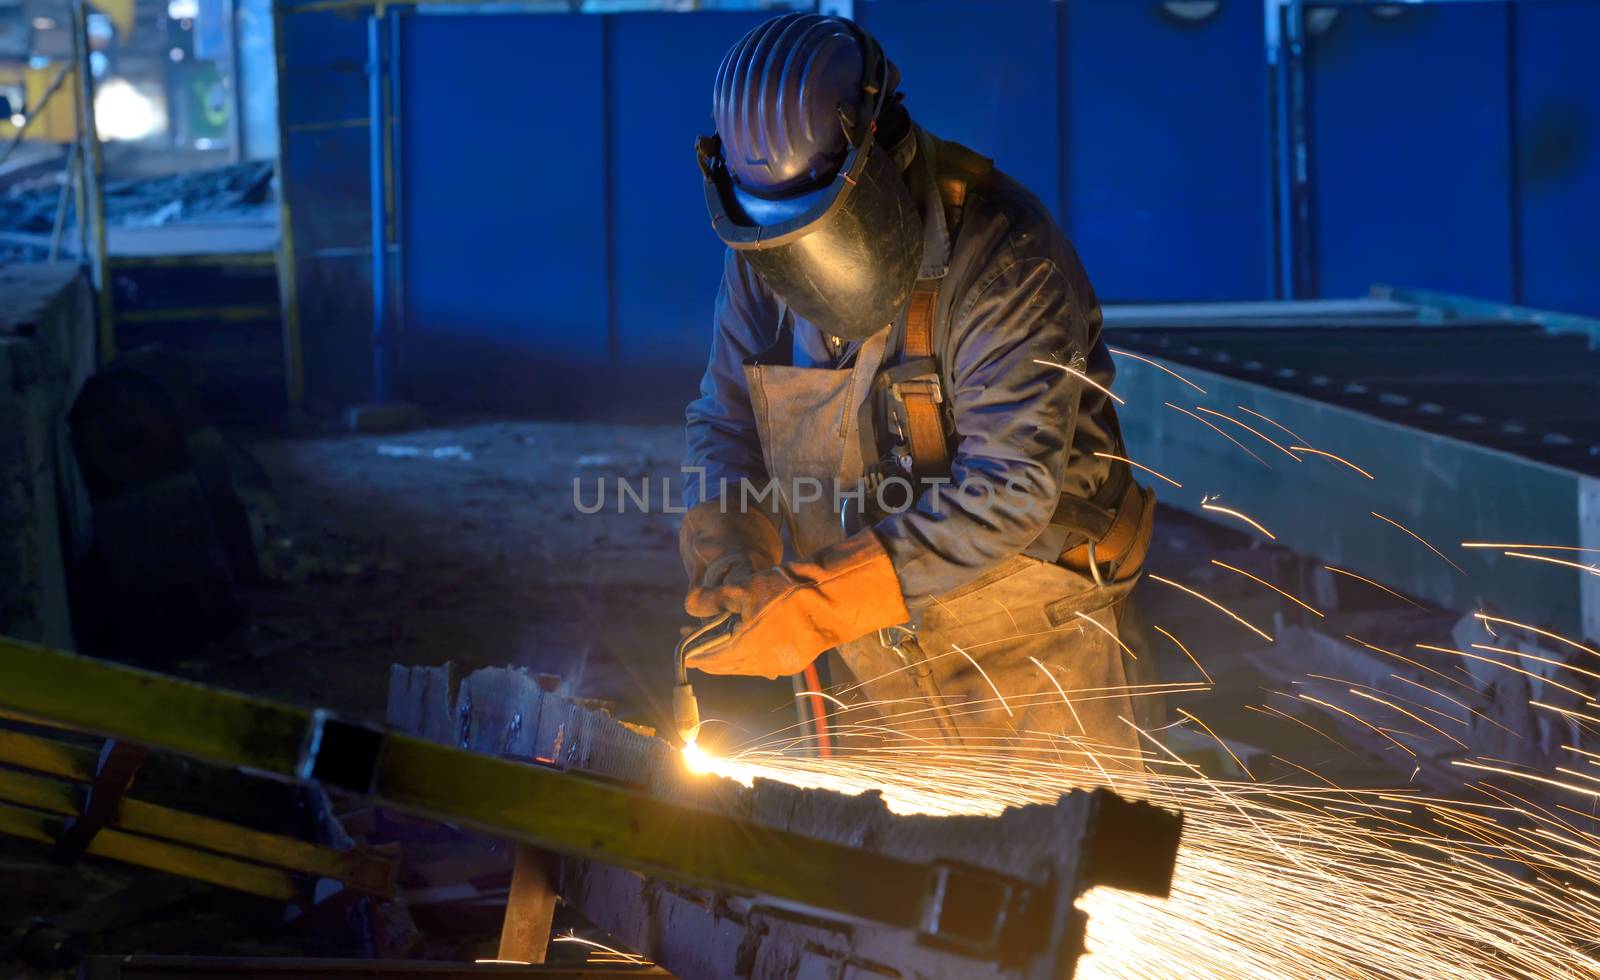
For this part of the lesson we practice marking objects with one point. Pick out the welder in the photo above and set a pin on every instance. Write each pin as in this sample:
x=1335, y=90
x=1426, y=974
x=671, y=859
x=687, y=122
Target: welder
x=907, y=384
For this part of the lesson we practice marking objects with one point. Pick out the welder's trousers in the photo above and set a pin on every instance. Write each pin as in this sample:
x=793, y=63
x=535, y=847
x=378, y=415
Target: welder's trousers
x=1030, y=655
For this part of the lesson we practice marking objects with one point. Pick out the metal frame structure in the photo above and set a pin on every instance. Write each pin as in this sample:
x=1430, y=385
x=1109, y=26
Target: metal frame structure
x=53, y=792
x=1437, y=468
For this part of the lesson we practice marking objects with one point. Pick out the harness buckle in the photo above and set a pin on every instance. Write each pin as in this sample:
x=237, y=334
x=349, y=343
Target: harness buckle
x=923, y=384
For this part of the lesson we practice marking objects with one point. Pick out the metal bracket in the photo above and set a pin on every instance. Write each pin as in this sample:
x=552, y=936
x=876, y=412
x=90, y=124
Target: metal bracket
x=119, y=763
x=978, y=913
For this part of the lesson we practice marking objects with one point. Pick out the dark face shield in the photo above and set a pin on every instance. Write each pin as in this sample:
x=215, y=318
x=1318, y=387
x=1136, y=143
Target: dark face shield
x=848, y=261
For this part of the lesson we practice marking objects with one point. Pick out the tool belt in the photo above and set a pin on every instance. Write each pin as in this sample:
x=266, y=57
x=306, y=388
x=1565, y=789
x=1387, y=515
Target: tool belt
x=1108, y=544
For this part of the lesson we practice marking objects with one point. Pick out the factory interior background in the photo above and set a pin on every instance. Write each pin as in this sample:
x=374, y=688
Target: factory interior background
x=346, y=340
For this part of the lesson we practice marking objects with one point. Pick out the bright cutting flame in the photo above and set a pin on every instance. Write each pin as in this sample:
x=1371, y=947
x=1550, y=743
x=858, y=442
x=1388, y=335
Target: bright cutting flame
x=697, y=759
x=122, y=112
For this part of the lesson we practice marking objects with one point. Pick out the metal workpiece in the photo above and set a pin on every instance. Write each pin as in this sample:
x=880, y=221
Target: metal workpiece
x=976, y=888
x=999, y=899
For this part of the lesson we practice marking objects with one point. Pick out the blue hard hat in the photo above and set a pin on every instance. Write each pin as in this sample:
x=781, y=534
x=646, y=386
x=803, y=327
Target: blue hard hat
x=796, y=182
x=778, y=100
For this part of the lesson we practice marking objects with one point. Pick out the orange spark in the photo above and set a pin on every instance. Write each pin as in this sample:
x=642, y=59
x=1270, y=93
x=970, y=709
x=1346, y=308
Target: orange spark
x=1215, y=605
x=1301, y=722
x=1114, y=638
x=1591, y=569
x=1233, y=513
x=1425, y=544
x=1186, y=653
x=1124, y=459
x=1273, y=422
x=1359, y=719
x=1255, y=432
x=1418, y=719
x=1544, y=660
x=1498, y=663
x=1540, y=547
x=984, y=674
x=1441, y=694
x=1212, y=426
x=1082, y=377
x=1336, y=459
x=1157, y=365
x=1243, y=768
x=1485, y=617
x=1269, y=585
x=1524, y=775
x=1376, y=585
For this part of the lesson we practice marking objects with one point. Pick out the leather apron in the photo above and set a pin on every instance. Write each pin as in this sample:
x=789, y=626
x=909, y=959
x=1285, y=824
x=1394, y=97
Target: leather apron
x=1026, y=655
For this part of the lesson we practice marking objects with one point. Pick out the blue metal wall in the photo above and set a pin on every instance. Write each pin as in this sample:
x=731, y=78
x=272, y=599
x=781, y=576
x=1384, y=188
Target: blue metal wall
x=1556, y=113
x=322, y=159
x=550, y=223
x=503, y=226
x=984, y=75
x=1166, y=150
x=666, y=260
x=1410, y=150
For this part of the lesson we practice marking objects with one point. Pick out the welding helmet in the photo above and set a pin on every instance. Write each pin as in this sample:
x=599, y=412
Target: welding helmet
x=796, y=182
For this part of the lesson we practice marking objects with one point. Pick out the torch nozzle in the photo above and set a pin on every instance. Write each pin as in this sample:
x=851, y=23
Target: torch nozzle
x=686, y=713
x=707, y=636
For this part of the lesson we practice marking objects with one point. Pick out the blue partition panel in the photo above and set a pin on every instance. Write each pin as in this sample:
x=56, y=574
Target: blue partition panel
x=980, y=74
x=1165, y=146
x=502, y=196
x=324, y=166
x=1558, y=154
x=667, y=261
x=1410, y=150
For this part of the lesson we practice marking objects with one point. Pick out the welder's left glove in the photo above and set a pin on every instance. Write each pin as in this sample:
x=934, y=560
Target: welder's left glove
x=792, y=612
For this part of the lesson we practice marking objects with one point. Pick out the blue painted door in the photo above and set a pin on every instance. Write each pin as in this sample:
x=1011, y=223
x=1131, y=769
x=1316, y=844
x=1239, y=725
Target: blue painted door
x=502, y=196
x=667, y=260
x=1410, y=150
x=1557, y=115
x=1165, y=144
x=980, y=74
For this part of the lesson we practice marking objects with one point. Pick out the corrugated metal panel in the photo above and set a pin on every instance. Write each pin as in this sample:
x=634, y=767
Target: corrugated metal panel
x=1166, y=150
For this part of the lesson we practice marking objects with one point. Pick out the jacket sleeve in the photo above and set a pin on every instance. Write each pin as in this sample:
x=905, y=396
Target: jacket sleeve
x=722, y=443
x=1015, y=418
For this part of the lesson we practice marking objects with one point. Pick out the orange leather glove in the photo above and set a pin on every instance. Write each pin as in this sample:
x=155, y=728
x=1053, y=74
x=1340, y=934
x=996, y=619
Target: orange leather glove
x=718, y=547
x=791, y=613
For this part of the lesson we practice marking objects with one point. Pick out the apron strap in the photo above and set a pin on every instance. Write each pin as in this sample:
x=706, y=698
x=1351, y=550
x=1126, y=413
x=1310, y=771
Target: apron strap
x=916, y=394
x=919, y=396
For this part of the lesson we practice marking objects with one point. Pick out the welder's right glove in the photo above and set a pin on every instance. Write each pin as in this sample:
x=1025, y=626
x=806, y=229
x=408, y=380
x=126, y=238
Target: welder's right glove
x=720, y=547
x=791, y=613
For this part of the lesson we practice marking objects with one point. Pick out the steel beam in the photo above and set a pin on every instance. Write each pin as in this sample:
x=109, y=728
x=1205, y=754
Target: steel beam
x=116, y=845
